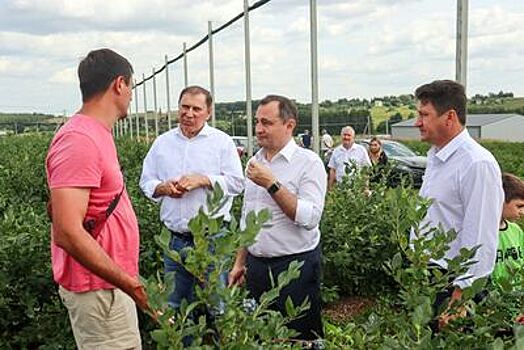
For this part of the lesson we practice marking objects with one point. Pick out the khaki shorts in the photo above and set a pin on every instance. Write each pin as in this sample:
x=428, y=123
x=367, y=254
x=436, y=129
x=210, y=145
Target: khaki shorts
x=102, y=319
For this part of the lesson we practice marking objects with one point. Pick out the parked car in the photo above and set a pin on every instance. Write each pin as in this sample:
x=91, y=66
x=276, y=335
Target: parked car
x=241, y=143
x=406, y=162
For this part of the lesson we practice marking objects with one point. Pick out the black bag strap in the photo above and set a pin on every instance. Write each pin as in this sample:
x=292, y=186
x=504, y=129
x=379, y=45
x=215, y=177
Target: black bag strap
x=94, y=225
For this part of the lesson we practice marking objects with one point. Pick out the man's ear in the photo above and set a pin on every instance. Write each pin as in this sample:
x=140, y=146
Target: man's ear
x=291, y=123
x=452, y=117
x=119, y=84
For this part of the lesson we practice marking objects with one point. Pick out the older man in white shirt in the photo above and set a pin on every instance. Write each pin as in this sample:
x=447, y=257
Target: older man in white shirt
x=291, y=182
x=462, y=178
x=344, y=154
x=182, y=165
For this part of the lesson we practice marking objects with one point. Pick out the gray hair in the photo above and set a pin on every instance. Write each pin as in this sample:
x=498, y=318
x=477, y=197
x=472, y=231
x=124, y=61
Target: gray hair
x=347, y=128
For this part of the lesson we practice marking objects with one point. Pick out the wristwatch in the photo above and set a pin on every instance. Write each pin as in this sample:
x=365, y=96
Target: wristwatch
x=275, y=186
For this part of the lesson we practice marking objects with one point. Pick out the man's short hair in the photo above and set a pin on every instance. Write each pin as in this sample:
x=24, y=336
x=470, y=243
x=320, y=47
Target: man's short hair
x=348, y=128
x=196, y=90
x=286, y=108
x=513, y=187
x=99, y=69
x=444, y=95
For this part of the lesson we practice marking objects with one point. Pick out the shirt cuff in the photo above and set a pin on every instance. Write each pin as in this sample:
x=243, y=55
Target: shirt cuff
x=304, y=214
x=217, y=179
x=149, y=190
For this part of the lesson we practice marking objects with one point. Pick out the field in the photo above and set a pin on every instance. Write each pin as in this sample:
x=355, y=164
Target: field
x=365, y=255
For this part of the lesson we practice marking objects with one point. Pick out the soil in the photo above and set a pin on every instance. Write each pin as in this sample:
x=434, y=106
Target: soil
x=347, y=308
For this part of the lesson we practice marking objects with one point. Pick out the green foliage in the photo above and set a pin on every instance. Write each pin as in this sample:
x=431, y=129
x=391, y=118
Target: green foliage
x=31, y=310
x=234, y=325
x=364, y=246
x=359, y=231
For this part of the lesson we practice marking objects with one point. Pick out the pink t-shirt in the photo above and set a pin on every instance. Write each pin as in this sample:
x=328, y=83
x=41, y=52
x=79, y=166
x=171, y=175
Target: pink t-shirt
x=83, y=154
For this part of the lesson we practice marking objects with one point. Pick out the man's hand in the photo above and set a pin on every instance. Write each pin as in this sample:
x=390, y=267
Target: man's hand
x=237, y=276
x=193, y=181
x=170, y=188
x=259, y=174
x=460, y=312
x=137, y=292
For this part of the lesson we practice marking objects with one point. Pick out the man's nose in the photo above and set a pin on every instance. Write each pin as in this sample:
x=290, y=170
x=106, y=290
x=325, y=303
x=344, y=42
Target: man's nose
x=418, y=121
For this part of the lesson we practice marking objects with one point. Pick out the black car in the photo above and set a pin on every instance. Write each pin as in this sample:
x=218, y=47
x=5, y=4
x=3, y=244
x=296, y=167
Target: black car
x=407, y=164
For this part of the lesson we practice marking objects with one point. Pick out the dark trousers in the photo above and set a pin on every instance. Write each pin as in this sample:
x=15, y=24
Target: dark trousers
x=309, y=324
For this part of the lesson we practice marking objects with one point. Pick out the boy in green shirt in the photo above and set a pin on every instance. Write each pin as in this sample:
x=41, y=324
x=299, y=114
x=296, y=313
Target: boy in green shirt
x=510, y=251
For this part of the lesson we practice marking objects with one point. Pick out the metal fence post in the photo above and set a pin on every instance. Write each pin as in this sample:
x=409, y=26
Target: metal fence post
x=462, y=43
x=247, y=58
x=211, y=71
x=168, y=94
x=155, y=104
x=145, y=107
x=314, y=77
x=185, y=64
x=137, y=118
x=130, y=122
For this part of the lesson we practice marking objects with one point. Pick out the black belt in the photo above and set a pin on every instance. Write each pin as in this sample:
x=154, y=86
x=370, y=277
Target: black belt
x=186, y=236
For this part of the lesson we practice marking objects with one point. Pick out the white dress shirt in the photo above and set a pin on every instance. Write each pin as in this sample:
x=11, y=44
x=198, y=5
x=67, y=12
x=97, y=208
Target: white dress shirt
x=301, y=172
x=172, y=155
x=464, y=181
x=341, y=157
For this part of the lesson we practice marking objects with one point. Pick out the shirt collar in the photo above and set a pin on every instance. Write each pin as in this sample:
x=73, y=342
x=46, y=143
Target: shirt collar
x=286, y=152
x=206, y=130
x=350, y=148
x=447, y=151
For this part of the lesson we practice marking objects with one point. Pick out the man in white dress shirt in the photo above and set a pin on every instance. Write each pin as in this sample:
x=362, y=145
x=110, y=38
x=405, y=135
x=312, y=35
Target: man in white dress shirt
x=462, y=178
x=182, y=165
x=345, y=153
x=291, y=182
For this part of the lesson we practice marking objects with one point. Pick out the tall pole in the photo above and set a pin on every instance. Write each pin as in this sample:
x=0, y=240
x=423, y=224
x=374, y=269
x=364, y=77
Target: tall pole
x=129, y=124
x=185, y=64
x=155, y=104
x=461, y=65
x=167, y=95
x=145, y=107
x=137, y=118
x=247, y=58
x=211, y=71
x=314, y=76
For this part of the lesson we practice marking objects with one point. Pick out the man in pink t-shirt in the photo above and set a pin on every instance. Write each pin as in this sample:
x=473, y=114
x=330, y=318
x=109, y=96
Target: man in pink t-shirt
x=97, y=270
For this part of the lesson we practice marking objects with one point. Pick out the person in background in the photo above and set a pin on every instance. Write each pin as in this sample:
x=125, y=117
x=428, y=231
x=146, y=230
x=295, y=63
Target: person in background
x=344, y=154
x=510, y=252
x=326, y=146
x=306, y=139
x=377, y=156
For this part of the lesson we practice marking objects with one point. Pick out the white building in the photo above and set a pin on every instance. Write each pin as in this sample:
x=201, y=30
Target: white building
x=503, y=127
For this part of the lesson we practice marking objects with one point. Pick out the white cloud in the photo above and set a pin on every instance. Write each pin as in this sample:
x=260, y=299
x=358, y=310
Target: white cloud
x=366, y=47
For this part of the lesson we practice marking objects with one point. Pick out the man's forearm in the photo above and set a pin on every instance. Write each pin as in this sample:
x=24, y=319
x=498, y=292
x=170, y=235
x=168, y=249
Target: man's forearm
x=83, y=248
x=240, y=260
x=287, y=201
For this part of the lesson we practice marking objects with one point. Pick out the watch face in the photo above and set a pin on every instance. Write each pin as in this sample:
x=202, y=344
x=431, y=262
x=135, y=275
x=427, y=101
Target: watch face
x=274, y=187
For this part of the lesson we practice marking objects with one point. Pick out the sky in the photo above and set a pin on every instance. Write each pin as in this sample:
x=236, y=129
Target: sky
x=366, y=48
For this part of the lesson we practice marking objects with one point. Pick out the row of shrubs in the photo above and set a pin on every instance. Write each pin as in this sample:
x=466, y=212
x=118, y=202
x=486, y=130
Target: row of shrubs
x=365, y=253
